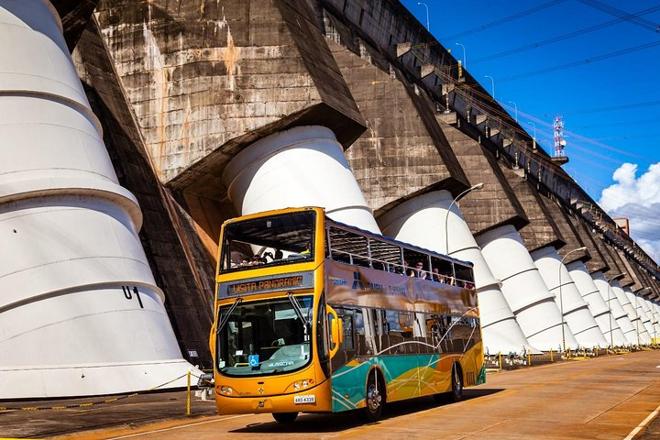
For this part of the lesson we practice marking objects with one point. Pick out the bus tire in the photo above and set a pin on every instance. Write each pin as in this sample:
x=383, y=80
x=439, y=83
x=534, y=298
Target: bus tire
x=285, y=418
x=375, y=396
x=456, y=383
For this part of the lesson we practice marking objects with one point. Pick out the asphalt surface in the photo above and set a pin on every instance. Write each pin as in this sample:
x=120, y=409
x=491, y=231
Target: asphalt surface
x=602, y=398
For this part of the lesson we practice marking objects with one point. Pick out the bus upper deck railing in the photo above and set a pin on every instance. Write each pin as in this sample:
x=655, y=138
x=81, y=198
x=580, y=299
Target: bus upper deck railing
x=401, y=269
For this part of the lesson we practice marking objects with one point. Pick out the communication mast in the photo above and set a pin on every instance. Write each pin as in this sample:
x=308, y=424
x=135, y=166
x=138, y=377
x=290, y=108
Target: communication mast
x=560, y=143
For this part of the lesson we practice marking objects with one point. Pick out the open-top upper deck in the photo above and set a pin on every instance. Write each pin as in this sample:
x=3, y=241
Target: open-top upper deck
x=294, y=236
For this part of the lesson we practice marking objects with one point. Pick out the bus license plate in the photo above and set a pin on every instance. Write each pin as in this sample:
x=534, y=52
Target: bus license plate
x=302, y=400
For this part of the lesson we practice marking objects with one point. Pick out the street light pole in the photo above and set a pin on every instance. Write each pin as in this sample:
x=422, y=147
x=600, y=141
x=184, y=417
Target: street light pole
x=464, y=55
x=427, y=14
x=561, y=298
x=515, y=107
x=492, y=83
x=456, y=199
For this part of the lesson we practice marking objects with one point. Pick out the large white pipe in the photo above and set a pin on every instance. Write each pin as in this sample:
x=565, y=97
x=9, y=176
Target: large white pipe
x=610, y=298
x=576, y=311
x=71, y=262
x=639, y=336
x=421, y=221
x=524, y=289
x=655, y=322
x=599, y=308
x=302, y=166
x=655, y=310
x=640, y=309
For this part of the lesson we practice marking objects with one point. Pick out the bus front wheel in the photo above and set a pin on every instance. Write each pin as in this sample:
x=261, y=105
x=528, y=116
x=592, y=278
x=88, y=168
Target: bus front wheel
x=285, y=418
x=375, y=398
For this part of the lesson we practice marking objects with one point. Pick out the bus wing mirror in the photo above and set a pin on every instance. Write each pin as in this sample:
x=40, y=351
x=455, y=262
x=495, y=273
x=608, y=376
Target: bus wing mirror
x=336, y=333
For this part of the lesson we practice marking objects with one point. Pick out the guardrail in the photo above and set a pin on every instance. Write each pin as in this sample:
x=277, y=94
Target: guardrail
x=512, y=361
x=110, y=400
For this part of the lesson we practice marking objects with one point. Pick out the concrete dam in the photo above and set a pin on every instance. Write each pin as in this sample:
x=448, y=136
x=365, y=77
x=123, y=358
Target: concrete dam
x=132, y=129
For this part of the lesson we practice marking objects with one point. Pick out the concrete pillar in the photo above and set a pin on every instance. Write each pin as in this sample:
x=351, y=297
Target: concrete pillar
x=610, y=298
x=80, y=312
x=599, y=308
x=302, y=166
x=421, y=221
x=524, y=289
x=576, y=311
x=639, y=335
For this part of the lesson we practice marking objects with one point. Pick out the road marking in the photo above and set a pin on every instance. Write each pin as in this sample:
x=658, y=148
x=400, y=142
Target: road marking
x=641, y=426
x=619, y=403
x=204, y=422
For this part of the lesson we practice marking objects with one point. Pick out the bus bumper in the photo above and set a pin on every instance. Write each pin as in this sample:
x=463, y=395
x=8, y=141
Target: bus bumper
x=317, y=399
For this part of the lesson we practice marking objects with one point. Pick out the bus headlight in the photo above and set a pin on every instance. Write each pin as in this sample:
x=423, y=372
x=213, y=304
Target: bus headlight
x=226, y=390
x=302, y=384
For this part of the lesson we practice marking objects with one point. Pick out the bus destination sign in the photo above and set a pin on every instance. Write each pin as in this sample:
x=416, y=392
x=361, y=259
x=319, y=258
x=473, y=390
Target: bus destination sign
x=295, y=281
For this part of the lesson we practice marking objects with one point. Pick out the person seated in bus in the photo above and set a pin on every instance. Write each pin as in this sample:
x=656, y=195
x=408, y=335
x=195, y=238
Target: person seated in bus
x=278, y=255
x=257, y=260
x=436, y=275
x=419, y=271
x=410, y=272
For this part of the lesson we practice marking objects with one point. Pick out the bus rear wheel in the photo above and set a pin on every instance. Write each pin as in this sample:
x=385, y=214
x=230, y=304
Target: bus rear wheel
x=375, y=399
x=285, y=418
x=456, y=383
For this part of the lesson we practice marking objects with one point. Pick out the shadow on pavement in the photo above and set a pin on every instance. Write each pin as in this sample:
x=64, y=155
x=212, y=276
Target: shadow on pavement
x=343, y=421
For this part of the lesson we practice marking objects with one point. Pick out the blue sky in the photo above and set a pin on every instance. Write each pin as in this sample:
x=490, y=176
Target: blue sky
x=611, y=107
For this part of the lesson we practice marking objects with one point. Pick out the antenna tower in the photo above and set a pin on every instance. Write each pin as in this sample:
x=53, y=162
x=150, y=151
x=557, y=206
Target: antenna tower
x=560, y=142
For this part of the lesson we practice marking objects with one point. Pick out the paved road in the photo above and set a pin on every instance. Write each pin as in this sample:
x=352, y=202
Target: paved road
x=602, y=398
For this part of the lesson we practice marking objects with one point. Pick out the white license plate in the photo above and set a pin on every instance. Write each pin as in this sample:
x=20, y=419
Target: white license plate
x=302, y=400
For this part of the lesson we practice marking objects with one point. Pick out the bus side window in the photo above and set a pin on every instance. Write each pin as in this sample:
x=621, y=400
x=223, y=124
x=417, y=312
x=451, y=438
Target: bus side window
x=399, y=326
x=358, y=326
x=349, y=337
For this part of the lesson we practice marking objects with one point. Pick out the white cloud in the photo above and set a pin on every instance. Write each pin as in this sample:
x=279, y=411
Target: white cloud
x=639, y=200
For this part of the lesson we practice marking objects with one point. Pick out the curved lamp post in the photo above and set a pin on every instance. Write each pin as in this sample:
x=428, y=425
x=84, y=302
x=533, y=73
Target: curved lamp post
x=456, y=199
x=492, y=83
x=464, y=55
x=427, y=14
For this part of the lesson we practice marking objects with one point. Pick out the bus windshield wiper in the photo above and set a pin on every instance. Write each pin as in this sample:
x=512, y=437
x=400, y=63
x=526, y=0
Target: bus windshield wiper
x=298, y=309
x=225, y=319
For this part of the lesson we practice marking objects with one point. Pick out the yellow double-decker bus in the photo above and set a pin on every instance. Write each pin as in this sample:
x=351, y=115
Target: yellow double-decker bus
x=312, y=315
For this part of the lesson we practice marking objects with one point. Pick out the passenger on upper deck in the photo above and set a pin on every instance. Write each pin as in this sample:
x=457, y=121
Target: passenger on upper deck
x=420, y=272
x=410, y=272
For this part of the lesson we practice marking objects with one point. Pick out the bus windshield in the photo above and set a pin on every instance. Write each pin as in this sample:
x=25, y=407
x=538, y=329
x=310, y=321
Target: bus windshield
x=265, y=337
x=268, y=241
